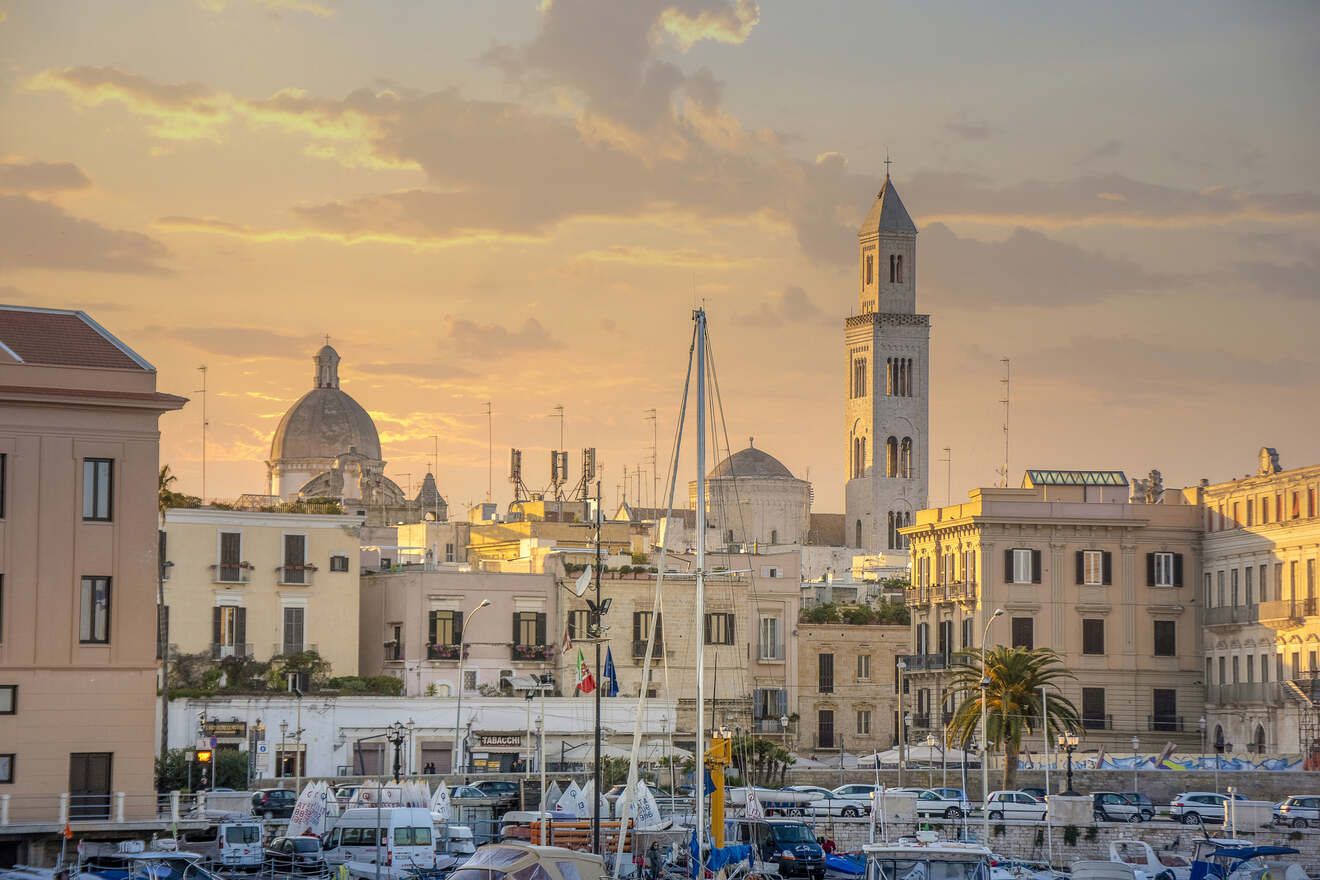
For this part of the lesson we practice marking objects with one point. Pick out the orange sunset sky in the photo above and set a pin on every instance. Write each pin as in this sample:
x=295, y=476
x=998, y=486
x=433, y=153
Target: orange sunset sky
x=519, y=202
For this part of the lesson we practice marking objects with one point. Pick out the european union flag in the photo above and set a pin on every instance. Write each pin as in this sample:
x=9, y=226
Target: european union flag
x=608, y=674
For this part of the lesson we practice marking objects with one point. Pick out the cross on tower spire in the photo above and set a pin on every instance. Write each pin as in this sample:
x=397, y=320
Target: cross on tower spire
x=888, y=162
x=327, y=339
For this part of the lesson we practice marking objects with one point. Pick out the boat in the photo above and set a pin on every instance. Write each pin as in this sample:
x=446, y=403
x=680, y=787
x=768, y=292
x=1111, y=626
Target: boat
x=1147, y=863
x=1021, y=869
x=1240, y=860
x=926, y=856
x=149, y=864
x=498, y=861
x=844, y=866
x=1101, y=869
x=775, y=799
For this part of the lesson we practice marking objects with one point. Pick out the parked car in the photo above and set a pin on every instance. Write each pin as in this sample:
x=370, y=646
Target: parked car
x=1014, y=805
x=833, y=805
x=1141, y=802
x=1300, y=811
x=497, y=788
x=862, y=795
x=273, y=803
x=1039, y=794
x=953, y=794
x=818, y=790
x=406, y=837
x=931, y=803
x=466, y=792
x=1198, y=807
x=299, y=856
x=1110, y=806
x=789, y=844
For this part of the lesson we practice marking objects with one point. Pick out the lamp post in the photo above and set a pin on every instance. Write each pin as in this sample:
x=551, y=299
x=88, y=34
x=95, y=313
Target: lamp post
x=395, y=736
x=1136, y=744
x=901, y=666
x=985, y=740
x=1069, y=742
x=460, y=764
x=1201, y=724
x=283, y=755
x=930, y=762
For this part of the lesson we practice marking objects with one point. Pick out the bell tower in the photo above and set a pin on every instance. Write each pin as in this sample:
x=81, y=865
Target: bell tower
x=887, y=348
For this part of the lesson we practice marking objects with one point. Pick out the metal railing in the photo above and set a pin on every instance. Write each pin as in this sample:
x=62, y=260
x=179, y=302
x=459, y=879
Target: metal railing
x=295, y=575
x=106, y=808
x=394, y=652
x=444, y=652
x=280, y=649
x=220, y=652
x=1288, y=609
x=231, y=573
x=1226, y=615
x=1169, y=723
x=926, y=662
x=537, y=653
x=1098, y=722
x=639, y=649
x=1263, y=692
x=768, y=725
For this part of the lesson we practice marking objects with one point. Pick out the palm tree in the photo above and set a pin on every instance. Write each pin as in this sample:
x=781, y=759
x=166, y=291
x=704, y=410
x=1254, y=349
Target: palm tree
x=164, y=494
x=1013, y=698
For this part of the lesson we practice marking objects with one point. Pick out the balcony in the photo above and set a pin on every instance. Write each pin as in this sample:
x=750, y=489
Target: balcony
x=639, y=650
x=827, y=740
x=231, y=572
x=921, y=722
x=534, y=653
x=444, y=652
x=394, y=651
x=221, y=652
x=295, y=575
x=767, y=726
x=1098, y=722
x=282, y=649
x=926, y=662
x=1165, y=723
x=1265, y=693
x=1288, y=609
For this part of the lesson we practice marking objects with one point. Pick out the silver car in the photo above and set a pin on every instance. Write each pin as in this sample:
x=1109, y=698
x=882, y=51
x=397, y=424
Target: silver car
x=1299, y=811
x=1110, y=806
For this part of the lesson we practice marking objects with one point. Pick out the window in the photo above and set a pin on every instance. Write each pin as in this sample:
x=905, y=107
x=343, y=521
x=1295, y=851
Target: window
x=1251, y=513
x=1219, y=595
x=1236, y=670
x=1251, y=668
x=825, y=673
x=905, y=459
x=8, y=699
x=864, y=721
x=944, y=639
x=449, y=553
x=870, y=266
x=1021, y=566
x=1094, y=567
x=969, y=566
x=863, y=667
x=469, y=679
x=1164, y=569
x=1023, y=633
x=891, y=268
x=1278, y=507
x=1209, y=591
x=295, y=559
x=1237, y=516
x=578, y=620
x=98, y=485
x=7, y=768
x=1310, y=578
x=4, y=470
x=1310, y=493
x=1264, y=667
x=1233, y=586
x=1093, y=708
x=1264, y=583
x=859, y=377
x=642, y=629
x=770, y=644
x=891, y=457
x=1164, y=702
x=231, y=557
x=825, y=728
x=769, y=703
x=1296, y=505
x=94, y=611
x=967, y=634
x=338, y=563
x=1165, y=638
x=1247, y=584
x=294, y=629
x=923, y=638
x=529, y=628
x=1093, y=636
x=900, y=268
x=719, y=629
x=228, y=631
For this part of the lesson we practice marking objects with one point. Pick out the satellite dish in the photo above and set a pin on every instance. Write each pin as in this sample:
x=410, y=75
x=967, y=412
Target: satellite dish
x=583, y=581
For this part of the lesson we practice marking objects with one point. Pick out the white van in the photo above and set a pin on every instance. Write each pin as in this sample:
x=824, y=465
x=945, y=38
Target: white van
x=406, y=838
x=230, y=844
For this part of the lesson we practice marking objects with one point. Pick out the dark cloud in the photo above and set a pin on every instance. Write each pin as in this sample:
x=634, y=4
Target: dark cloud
x=790, y=307
x=39, y=235
x=41, y=177
x=494, y=341
x=1300, y=279
x=1027, y=268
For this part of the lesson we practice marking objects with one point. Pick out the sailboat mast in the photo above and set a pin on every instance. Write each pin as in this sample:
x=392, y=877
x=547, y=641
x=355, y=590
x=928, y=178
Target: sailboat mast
x=699, y=316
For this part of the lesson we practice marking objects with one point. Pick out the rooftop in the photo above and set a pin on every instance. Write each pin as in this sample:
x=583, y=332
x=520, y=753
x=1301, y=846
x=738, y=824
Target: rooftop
x=1073, y=478
x=62, y=338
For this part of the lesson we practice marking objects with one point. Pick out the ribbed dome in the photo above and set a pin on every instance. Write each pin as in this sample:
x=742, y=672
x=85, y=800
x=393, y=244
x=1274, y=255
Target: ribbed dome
x=323, y=424
x=751, y=462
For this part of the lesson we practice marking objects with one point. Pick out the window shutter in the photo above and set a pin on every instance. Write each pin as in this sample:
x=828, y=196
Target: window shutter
x=540, y=628
x=638, y=635
x=240, y=626
x=659, y=630
x=1150, y=569
x=458, y=626
x=782, y=701
x=215, y=625
x=1177, y=569
x=706, y=630
x=1107, y=564
x=729, y=629
x=1035, y=566
x=1008, y=566
x=515, y=627
x=1081, y=571
x=430, y=626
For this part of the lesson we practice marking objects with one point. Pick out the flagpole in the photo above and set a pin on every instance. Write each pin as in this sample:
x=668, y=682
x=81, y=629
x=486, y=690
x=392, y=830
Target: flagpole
x=595, y=796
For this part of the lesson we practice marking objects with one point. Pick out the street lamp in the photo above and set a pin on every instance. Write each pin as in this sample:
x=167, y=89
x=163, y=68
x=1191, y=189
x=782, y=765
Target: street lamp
x=395, y=735
x=985, y=739
x=283, y=755
x=1136, y=743
x=1201, y=725
x=930, y=762
x=1069, y=742
x=901, y=666
x=460, y=763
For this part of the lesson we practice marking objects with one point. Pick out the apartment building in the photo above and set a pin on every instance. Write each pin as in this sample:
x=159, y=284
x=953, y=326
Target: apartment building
x=1107, y=581
x=79, y=455
x=846, y=696
x=263, y=585
x=1262, y=625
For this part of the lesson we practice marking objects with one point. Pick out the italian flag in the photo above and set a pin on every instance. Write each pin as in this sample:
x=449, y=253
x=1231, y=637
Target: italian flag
x=585, y=683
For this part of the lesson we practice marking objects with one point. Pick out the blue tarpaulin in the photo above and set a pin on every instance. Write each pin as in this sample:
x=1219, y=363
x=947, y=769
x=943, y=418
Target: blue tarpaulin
x=718, y=857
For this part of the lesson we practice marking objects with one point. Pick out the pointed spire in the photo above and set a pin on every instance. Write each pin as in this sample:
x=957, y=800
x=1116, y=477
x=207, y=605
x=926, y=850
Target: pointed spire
x=887, y=212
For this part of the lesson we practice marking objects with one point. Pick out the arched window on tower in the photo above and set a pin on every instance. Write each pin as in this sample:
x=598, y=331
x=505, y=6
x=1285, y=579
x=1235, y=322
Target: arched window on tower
x=858, y=542
x=891, y=457
x=861, y=458
x=899, y=262
x=907, y=521
x=889, y=376
x=869, y=267
x=891, y=268
x=905, y=456
x=1260, y=740
x=909, y=375
x=891, y=530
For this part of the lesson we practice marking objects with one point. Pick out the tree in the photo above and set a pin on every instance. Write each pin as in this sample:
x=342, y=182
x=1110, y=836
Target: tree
x=760, y=761
x=167, y=497
x=1013, y=699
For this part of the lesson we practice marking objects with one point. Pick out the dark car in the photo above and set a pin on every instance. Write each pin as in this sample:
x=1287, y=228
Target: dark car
x=1142, y=803
x=789, y=843
x=301, y=856
x=273, y=803
x=496, y=788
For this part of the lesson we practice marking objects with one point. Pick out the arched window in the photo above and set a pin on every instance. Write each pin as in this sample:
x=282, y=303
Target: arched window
x=728, y=537
x=900, y=268
x=891, y=457
x=869, y=258
x=774, y=536
x=908, y=373
x=907, y=521
x=1260, y=739
x=1219, y=738
x=923, y=637
x=905, y=458
x=858, y=542
x=892, y=533
x=861, y=459
x=891, y=268
x=902, y=375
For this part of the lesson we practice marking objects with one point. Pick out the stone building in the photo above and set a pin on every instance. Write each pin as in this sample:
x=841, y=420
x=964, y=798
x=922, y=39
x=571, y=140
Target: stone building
x=752, y=498
x=1262, y=625
x=1108, y=582
x=263, y=585
x=846, y=695
x=887, y=346
x=326, y=447
x=79, y=456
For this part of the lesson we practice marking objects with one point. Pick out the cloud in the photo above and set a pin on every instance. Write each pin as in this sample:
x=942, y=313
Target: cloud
x=1297, y=279
x=182, y=111
x=276, y=6
x=40, y=177
x=416, y=370
x=968, y=128
x=494, y=341
x=244, y=342
x=1027, y=268
x=790, y=307
x=720, y=22
x=641, y=256
x=40, y=235
x=1108, y=150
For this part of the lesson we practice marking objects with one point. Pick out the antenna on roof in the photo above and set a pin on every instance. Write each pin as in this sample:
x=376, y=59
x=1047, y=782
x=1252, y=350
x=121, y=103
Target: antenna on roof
x=1003, y=471
x=205, y=423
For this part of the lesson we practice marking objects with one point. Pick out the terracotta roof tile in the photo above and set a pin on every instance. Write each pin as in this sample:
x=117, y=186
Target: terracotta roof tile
x=61, y=338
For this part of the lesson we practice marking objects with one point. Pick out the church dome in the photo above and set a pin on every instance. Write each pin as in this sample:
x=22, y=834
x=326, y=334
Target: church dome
x=751, y=462
x=325, y=422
